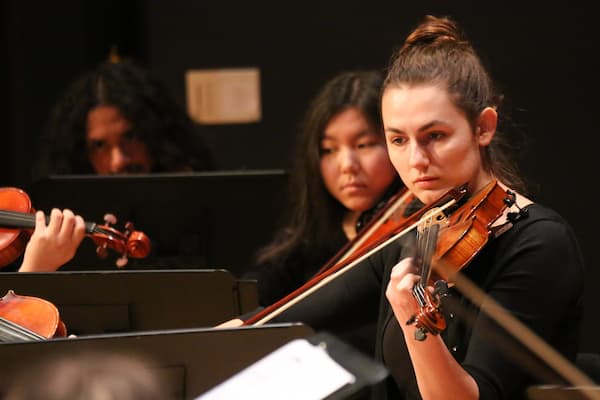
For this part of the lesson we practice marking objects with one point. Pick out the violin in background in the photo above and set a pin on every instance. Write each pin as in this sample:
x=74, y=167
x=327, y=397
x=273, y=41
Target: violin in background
x=17, y=221
x=28, y=318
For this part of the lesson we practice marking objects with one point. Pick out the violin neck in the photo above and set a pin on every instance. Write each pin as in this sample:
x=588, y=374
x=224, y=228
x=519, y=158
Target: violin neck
x=21, y=220
x=426, y=245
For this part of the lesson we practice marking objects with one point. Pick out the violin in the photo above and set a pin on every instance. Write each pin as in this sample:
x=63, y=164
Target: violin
x=29, y=318
x=17, y=220
x=393, y=228
x=450, y=242
x=446, y=244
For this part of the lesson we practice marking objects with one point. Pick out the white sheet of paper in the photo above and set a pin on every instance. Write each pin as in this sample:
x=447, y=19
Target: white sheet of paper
x=297, y=370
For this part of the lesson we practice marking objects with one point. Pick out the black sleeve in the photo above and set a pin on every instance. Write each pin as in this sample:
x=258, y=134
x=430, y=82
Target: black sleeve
x=349, y=300
x=538, y=277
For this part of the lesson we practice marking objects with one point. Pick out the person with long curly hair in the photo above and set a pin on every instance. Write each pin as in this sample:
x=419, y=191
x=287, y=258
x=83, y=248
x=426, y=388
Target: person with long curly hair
x=116, y=119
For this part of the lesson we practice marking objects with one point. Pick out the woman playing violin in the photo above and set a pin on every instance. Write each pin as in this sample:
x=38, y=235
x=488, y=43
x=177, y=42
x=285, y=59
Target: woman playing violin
x=440, y=116
x=50, y=246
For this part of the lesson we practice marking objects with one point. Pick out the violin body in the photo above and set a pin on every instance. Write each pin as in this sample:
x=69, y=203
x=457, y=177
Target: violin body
x=458, y=238
x=29, y=318
x=13, y=241
x=468, y=228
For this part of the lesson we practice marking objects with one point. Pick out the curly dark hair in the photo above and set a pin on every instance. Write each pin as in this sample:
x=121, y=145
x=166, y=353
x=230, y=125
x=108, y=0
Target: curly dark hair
x=173, y=139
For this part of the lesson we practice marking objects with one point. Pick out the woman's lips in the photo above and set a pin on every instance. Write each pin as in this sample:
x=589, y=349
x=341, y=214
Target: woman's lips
x=350, y=187
x=425, y=182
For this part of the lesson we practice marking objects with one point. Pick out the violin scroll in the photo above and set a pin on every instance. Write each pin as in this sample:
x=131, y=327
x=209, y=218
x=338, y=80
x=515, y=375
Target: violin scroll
x=129, y=243
x=430, y=319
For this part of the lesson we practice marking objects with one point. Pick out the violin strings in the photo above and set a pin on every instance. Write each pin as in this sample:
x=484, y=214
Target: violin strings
x=270, y=313
x=16, y=218
x=9, y=331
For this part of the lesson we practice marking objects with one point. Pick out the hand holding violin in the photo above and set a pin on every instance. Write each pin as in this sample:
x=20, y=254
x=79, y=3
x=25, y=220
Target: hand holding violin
x=56, y=237
x=51, y=246
x=399, y=291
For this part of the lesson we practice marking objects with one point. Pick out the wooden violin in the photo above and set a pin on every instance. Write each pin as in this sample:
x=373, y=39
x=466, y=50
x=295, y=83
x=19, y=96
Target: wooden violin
x=28, y=318
x=392, y=230
x=449, y=242
x=17, y=220
x=446, y=244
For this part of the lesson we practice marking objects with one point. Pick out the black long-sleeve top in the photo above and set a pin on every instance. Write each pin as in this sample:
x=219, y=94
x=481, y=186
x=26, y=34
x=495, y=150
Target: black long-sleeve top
x=534, y=270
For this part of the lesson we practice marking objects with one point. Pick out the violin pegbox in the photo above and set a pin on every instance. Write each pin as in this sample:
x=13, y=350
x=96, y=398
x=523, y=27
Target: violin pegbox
x=129, y=243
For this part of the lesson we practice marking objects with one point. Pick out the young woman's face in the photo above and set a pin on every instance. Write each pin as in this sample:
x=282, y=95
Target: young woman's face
x=430, y=141
x=111, y=147
x=354, y=162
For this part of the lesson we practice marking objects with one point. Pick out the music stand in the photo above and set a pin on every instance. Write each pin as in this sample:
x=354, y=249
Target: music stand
x=95, y=302
x=317, y=367
x=190, y=360
x=209, y=219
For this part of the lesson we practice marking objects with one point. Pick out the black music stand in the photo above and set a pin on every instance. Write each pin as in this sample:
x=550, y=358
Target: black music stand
x=190, y=360
x=209, y=219
x=96, y=302
x=303, y=370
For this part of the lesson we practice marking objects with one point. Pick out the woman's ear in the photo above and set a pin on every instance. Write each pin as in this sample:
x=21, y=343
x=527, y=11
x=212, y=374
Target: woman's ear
x=486, y=126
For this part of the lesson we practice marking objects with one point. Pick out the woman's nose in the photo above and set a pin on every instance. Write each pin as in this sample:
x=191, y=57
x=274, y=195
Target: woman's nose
x=118, y=160
x=418, y=156
x=348, y=160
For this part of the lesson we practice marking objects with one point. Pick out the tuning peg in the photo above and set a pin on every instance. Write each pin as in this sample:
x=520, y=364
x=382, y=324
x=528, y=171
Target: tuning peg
x=101, y=250
x=128, y=229
x=121, y=261
x=110, y=219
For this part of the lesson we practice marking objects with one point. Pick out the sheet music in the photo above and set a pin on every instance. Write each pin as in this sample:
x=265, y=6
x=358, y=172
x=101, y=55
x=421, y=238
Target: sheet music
x=297, y=370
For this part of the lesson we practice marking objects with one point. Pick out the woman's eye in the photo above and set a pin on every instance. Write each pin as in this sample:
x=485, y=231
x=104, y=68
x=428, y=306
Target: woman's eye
x=436, y=135
x=96, y=145
x=326, y=150
x=398, y=140
x=367, y=144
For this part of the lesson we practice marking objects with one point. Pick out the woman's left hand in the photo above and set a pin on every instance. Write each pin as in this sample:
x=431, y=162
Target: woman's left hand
x=399, y=291
x=51, y=246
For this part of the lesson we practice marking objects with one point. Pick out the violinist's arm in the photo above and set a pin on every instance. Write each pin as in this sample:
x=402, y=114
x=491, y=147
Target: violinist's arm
x=439, y=375
x=52, y=246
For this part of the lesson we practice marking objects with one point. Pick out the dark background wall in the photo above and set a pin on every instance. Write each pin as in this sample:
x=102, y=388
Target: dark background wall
x=542, y=56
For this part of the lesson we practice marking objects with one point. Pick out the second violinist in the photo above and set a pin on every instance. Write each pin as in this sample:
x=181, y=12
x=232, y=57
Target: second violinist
x=440, y=116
